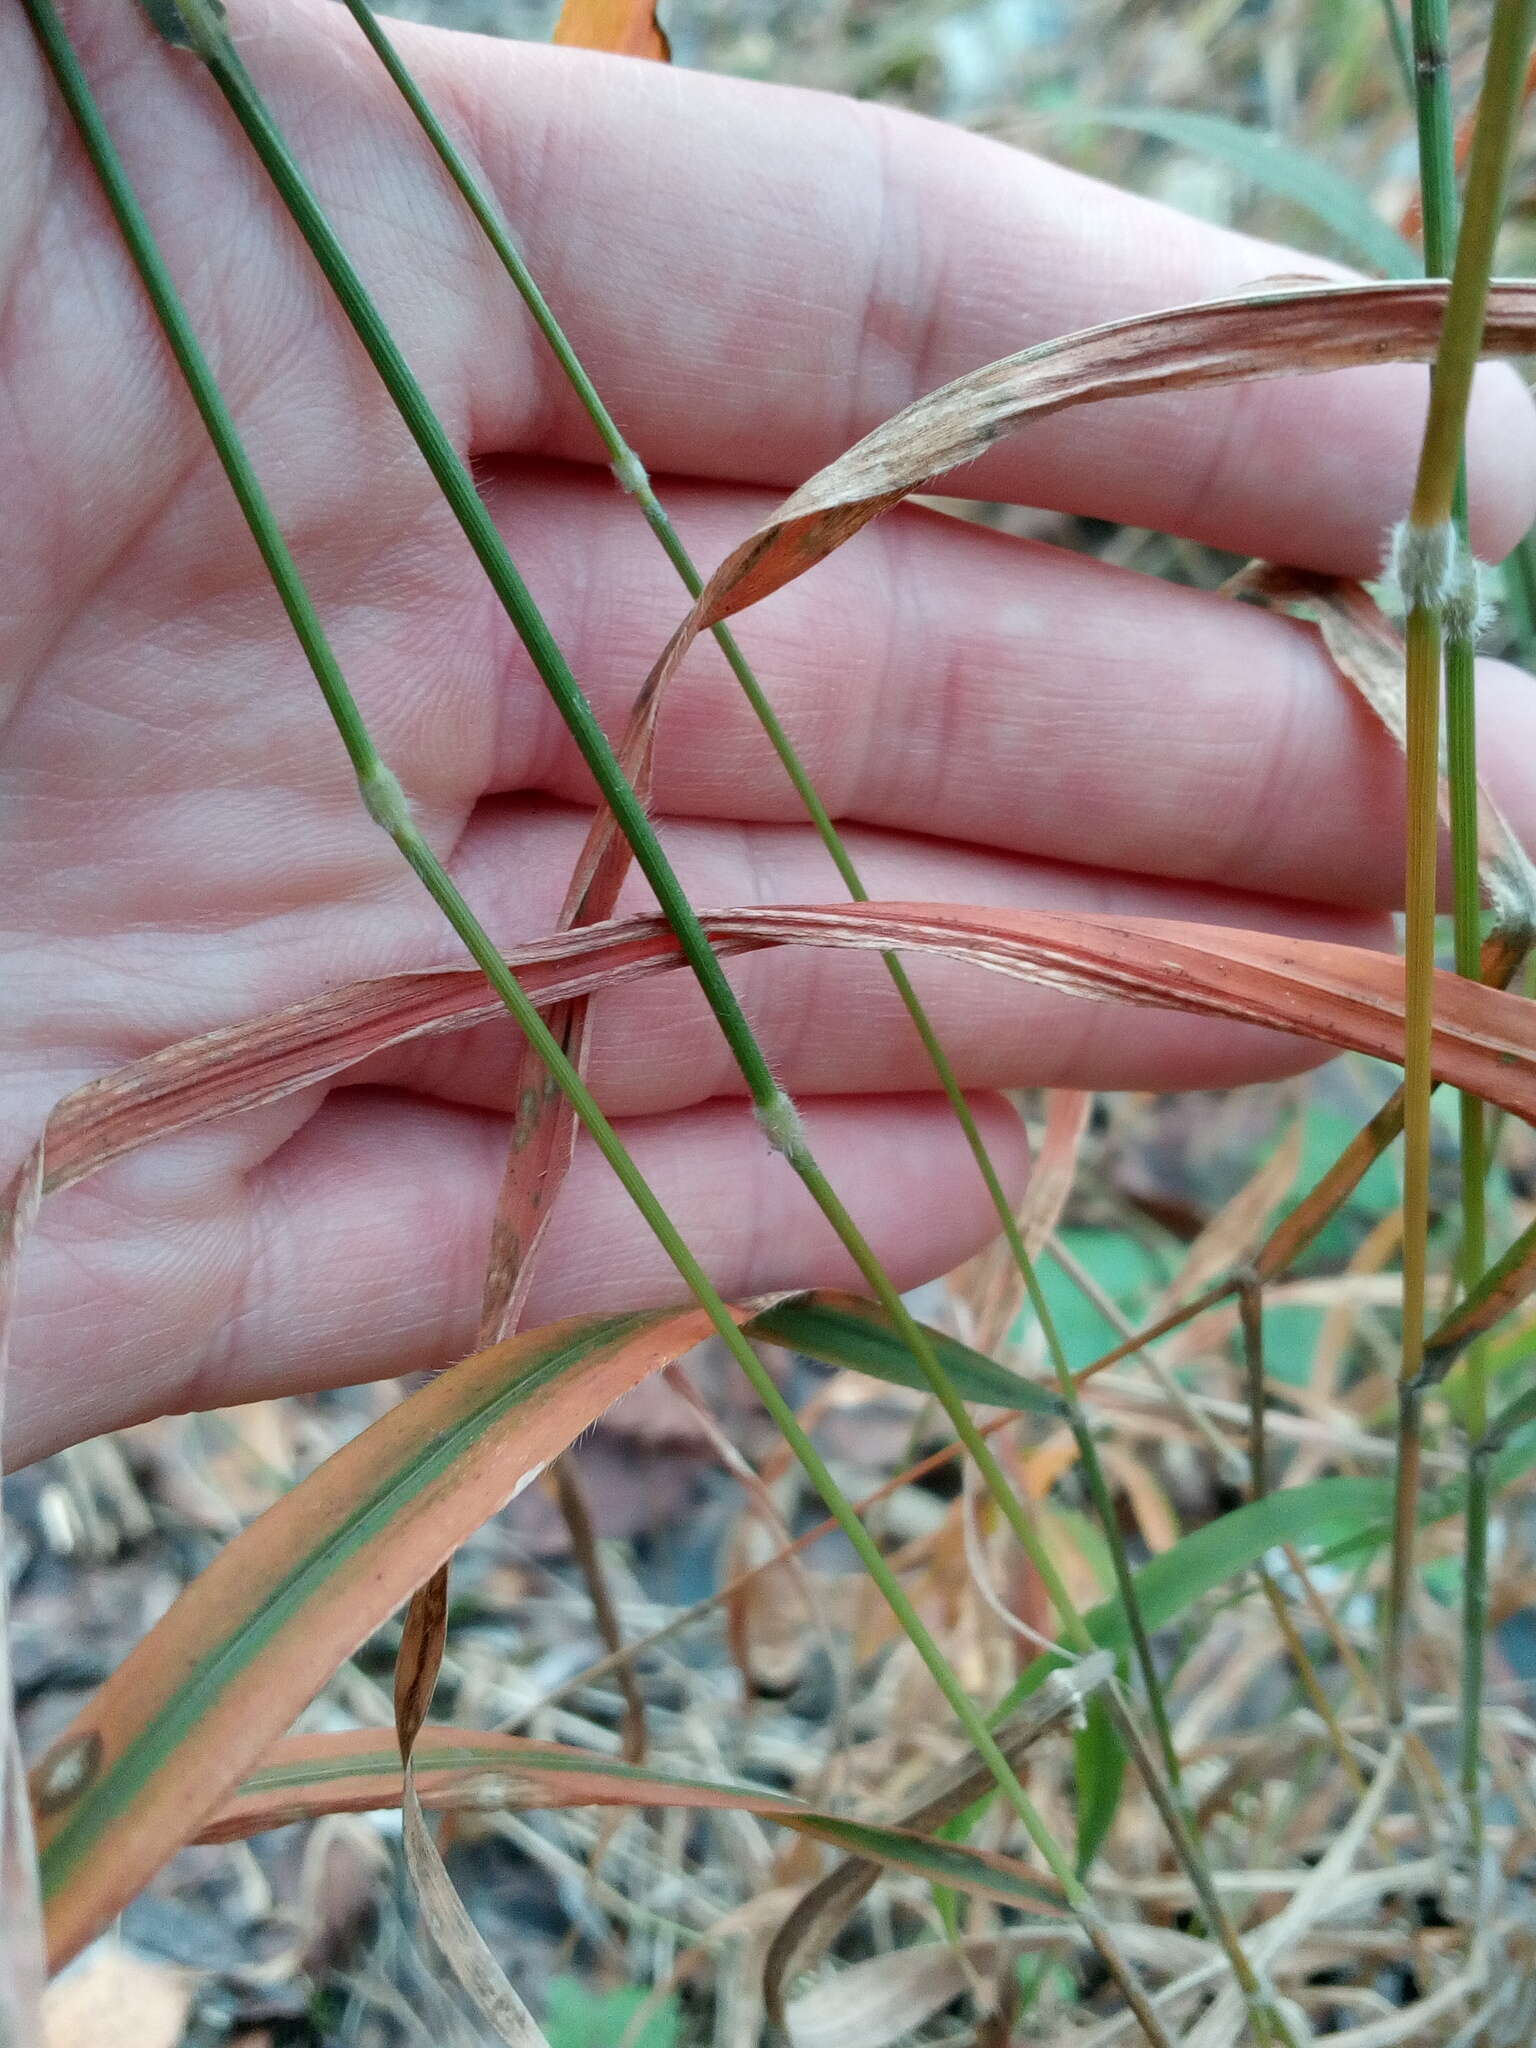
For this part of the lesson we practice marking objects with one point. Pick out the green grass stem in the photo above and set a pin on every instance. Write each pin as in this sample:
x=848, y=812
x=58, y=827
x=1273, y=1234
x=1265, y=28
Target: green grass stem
x=1437, y=181
x=1433, y=570
x=385, y=802
x=775, y=1112
x=1402, y=53
x=634, y=478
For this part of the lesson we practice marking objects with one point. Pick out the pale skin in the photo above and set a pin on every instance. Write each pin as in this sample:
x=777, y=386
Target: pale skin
x=755, y=277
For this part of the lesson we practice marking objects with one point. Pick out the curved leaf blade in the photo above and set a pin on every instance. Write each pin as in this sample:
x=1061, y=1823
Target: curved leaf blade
x=1339, y=995
x=1255, y=335
x=359, y=1771
x=846, y=1330
x=255, y=1637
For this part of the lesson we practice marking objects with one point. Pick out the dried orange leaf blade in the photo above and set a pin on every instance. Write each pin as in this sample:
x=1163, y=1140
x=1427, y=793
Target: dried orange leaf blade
x=1485, y=1040
x=539, y=1154
x=1260, y=334
x=1266, y=332
x=246, y=1066
x=359, y=1771
x=627, y=27
x=1338, y=995
x=260, y=1631
x=543, y=1139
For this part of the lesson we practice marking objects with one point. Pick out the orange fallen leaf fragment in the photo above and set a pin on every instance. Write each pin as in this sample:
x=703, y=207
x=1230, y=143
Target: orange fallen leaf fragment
x=627, y=27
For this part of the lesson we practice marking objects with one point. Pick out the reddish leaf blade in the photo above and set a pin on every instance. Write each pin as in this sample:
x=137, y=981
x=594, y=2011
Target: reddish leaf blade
x=254, y=1638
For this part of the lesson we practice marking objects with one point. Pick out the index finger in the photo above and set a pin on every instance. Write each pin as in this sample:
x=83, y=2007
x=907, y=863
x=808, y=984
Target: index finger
x=756, y=276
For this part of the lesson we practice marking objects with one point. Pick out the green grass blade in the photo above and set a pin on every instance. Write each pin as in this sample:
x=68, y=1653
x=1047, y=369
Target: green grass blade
x=1100, y=1759
x=1515, y=1416
x=1205, y=1560
x=289, y=1599
x=1274, y=166
x=845, y=1330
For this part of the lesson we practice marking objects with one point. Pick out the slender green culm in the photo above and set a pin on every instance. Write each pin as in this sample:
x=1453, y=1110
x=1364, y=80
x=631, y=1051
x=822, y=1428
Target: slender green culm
x=775, y=1111
x=1435, y=116
x=207, y=36
x=632, y=475
x=1498, y=118
x=1437, y=184
x=386, y=804
x=1432, y=574
x=1397, y=37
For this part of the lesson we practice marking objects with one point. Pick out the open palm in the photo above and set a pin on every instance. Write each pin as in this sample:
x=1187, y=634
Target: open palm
x=755, y=277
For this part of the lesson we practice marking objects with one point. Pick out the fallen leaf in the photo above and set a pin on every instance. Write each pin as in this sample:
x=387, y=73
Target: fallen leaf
x=627, y=27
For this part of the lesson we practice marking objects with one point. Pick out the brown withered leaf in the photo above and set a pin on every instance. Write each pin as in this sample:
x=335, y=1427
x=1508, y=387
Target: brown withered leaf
x=1268, y=331
x=459, y=1942
x=1338, y=995
x=991, y=1284
x=1256, y=335
x=543, y=1139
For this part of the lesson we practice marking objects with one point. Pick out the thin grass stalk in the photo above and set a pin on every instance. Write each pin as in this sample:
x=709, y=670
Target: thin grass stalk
x=1397, y=37
x=1250, y=1295
x=776, y=1113
x=1435, y=117
x=1423, y=664
x=1270, y=2023
x=633, y=477
x=384, y=801
x=575, y=1510
x=1433, y=579
x=1437, y=182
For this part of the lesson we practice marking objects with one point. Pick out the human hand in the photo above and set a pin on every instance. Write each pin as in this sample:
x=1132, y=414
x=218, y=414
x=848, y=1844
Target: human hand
x=755, y=277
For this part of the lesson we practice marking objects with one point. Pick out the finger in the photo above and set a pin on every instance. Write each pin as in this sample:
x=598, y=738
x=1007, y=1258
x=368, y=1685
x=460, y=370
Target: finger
x=832, y=1022
x=988, y=689
x=357, y=1252
x=757, y=276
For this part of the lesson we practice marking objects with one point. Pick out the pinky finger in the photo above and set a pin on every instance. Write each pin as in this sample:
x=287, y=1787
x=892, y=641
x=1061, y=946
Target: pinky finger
x=356, y=1252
